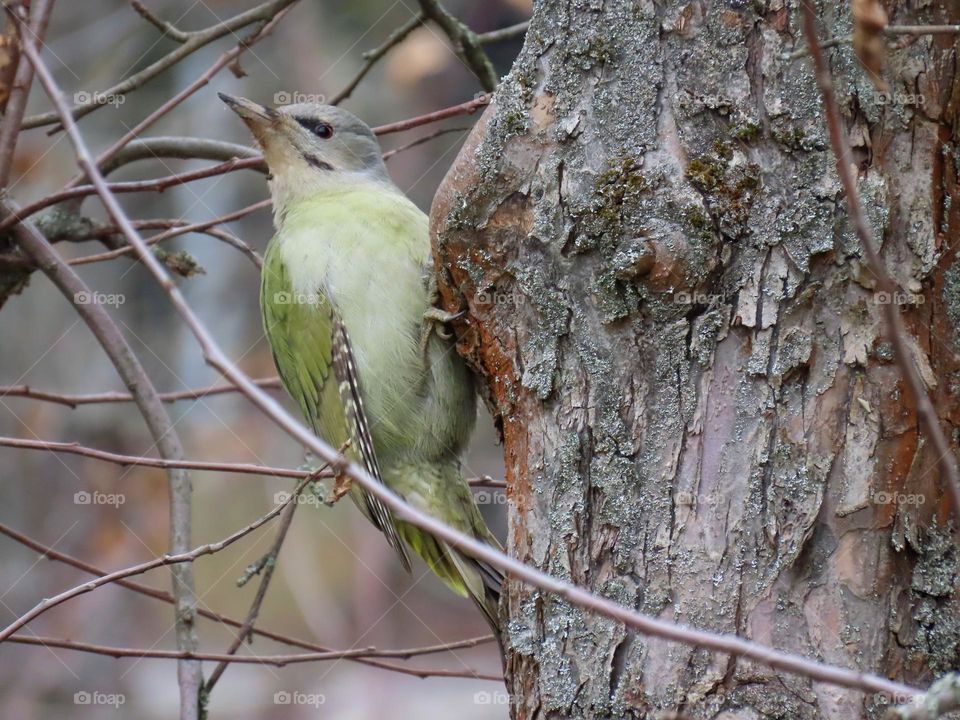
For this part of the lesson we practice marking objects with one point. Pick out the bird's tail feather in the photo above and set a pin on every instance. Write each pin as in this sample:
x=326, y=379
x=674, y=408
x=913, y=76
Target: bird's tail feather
x=466, y=576
x=484, y=584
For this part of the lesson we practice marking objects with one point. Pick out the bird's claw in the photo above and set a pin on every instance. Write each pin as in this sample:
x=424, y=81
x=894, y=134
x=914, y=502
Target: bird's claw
x=436, y=319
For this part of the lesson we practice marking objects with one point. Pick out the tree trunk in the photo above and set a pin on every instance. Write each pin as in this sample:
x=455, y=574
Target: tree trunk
x=685, y=353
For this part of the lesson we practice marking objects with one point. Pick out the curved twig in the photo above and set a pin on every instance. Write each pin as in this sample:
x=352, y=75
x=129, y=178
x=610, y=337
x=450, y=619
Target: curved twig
x=465, y=43
x=146, y=590
x=371, y=57
x=196, y=40
x=202, y=465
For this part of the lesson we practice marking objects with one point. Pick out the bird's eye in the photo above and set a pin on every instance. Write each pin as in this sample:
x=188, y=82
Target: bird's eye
x=319, y=128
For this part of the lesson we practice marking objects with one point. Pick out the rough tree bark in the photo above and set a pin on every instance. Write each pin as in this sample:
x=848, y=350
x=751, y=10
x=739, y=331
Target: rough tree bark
x=679, y=340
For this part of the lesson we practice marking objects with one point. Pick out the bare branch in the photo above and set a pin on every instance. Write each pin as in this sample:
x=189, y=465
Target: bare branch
x=9, y=57
x=222, y=658
x=203, y=226
x=182, y=148
x=226, y=659
x=465, y=108
x=507, y=33
x=138, y=461
x=465, y=43
x=167, y=28
x=73, y=401
x=205, y=466
x=893, y=30
x=156, y=184
x=922, y=29
x=20, y=91
x=268, y=566
x=197, y=40
x=158, y=421
x=173, y=559
x=264, y=29
x=371, y=57
x=419, y=141
x=146, y=590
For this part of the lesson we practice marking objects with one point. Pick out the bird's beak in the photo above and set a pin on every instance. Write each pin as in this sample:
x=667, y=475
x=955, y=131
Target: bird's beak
x=254, y=115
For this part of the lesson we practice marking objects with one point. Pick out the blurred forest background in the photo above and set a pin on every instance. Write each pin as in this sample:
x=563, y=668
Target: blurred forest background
x=337, y=583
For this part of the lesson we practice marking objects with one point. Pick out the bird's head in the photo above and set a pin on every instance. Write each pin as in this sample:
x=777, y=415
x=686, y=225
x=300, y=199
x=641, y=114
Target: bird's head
x=310, y=147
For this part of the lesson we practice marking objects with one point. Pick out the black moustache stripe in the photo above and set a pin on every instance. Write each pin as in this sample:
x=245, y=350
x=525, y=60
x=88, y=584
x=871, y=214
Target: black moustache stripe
x=316, y=162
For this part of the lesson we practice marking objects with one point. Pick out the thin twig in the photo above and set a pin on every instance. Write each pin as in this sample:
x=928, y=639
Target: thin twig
x=155, y=184
x=885, y=283
x=507, y=33
x=464, y=108
x=262, y=31
x=167, y=28
x=180, y=148
x=172, y=559
x=158, y=421
x=138, y=461
x=894, y=30
x=371, y=57
x=420, y=140
x=202, y=226
x=223, y=658
x=53, y=554
x=465, y=43
x=197, y=40
x=74, y=400
x=108, y=235
x=201, y=465
x=10, y=44
x=226, y=658
x=270, y=563
x=20, y=90
x=922, y=29
x=215, y=357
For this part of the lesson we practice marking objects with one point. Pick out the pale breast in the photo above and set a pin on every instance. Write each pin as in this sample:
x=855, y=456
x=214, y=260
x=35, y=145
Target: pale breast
x=366, y=252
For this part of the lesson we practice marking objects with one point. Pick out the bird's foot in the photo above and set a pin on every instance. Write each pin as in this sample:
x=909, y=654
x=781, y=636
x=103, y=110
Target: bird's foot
x=435, y=319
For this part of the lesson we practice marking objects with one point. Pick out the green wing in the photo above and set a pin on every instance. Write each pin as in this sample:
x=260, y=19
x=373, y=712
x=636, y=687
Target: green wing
x=310, y=347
